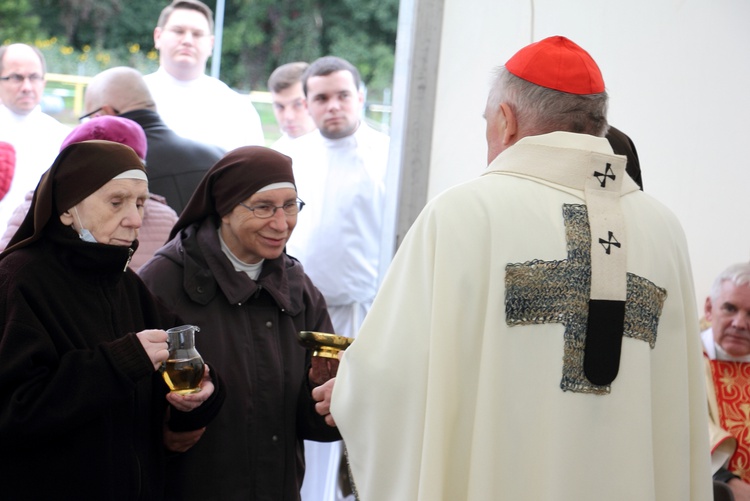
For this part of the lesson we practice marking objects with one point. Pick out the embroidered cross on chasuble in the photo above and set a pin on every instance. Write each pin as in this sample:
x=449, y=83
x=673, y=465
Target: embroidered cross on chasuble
x=590, y=292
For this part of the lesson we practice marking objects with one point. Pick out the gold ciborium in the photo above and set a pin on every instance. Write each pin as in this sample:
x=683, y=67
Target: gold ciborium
x=324, y=345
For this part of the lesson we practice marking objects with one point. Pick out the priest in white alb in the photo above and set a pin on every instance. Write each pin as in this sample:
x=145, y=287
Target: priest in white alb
x=35, y=136
x=340, y=173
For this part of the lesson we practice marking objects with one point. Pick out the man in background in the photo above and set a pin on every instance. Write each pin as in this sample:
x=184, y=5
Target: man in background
x=35, y=136
x=193, y=104
x=289, y=105
x=175, y=164
x=340, y=171
x=727, y=348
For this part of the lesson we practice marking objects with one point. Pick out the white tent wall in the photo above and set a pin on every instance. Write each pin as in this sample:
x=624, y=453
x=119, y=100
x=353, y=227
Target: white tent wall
x=677, y=73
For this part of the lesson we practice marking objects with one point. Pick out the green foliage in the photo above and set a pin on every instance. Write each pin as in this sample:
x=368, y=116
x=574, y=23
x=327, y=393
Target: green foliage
x=259, y=35
x=88, y=61
x=131, y=26
x=17, y=22
x=262, y=34
x=364, y=33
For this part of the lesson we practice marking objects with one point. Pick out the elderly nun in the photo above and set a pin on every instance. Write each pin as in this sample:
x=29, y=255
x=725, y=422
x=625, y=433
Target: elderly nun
x=82, y=404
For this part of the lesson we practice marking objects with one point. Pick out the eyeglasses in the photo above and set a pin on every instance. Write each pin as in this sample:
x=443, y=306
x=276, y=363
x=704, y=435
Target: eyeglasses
x=17, y=79
x=89, y=116
x=264, y=211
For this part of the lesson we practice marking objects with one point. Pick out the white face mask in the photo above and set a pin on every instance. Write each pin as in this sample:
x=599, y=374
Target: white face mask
x=85, y=234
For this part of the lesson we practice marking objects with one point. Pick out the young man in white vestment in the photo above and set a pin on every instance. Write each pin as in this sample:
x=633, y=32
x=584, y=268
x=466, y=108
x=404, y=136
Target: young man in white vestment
x=193, y=104
x=536, y=334
x=289, y=105
x=340, y=172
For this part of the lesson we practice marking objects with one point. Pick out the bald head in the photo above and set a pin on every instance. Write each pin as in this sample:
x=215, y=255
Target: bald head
x=121, y=88
x=22, y=67
x=22, y=50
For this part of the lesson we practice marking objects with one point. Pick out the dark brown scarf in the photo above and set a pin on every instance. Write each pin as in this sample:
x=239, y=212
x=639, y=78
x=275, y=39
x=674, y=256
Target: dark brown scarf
x=78, y=171
x=234, y=178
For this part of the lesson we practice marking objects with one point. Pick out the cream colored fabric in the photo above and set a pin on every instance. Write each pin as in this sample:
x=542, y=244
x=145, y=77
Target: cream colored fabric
x=439, y=399
x=539, y=157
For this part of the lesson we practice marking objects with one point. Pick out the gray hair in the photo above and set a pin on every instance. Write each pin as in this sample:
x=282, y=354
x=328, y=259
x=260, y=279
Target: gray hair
x=540, y=110
x=738, y=274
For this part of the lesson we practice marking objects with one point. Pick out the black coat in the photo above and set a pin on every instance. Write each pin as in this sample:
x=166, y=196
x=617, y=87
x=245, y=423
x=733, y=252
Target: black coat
x=81, y=407
x=623, y=145
x=175, y=165
x=254, y=448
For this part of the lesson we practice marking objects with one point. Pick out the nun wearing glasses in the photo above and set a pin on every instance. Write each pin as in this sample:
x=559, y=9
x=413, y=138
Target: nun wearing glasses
x=224, y=269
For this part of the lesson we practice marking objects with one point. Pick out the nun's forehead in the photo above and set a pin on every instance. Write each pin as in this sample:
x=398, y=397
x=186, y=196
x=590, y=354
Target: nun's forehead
x=87, y=166
x=120, y=189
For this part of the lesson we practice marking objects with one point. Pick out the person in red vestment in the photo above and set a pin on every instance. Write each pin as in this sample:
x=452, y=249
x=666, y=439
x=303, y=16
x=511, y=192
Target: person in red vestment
x=727, y=349
x=7, y=166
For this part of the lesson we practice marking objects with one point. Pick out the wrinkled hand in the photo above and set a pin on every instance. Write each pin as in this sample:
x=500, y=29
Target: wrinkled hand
x=322, y=395
x=154, y=341
x=187, y=403
x=180, y=441
x=740, y=489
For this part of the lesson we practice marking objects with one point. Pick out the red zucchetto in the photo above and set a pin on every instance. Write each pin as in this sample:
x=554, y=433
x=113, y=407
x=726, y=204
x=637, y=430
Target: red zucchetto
x=557, y=63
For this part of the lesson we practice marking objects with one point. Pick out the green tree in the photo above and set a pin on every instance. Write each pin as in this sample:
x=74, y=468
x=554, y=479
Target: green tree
x=18, y=22
x=258, y=36
x=262, y=34
x=100, y=23
x=364, y=33
x=79, y=22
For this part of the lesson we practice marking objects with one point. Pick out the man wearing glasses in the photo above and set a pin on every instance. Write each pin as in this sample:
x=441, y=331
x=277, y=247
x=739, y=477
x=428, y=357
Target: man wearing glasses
x=190, y=102
x=35, y=136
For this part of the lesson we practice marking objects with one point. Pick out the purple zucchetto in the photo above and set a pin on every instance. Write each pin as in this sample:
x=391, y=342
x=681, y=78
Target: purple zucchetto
x=109, y=128
x=79, y=170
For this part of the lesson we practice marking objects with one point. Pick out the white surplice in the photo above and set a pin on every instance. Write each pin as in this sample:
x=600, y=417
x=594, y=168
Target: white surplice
x=36, y=138
x=337, y=239
x=206, y=110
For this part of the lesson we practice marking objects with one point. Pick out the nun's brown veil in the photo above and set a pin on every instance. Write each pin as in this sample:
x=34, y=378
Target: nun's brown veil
x=77, y=172
x=234, y=178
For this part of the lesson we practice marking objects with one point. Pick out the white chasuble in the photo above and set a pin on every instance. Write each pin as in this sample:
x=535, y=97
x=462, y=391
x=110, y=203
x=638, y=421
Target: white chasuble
x=468, y=378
